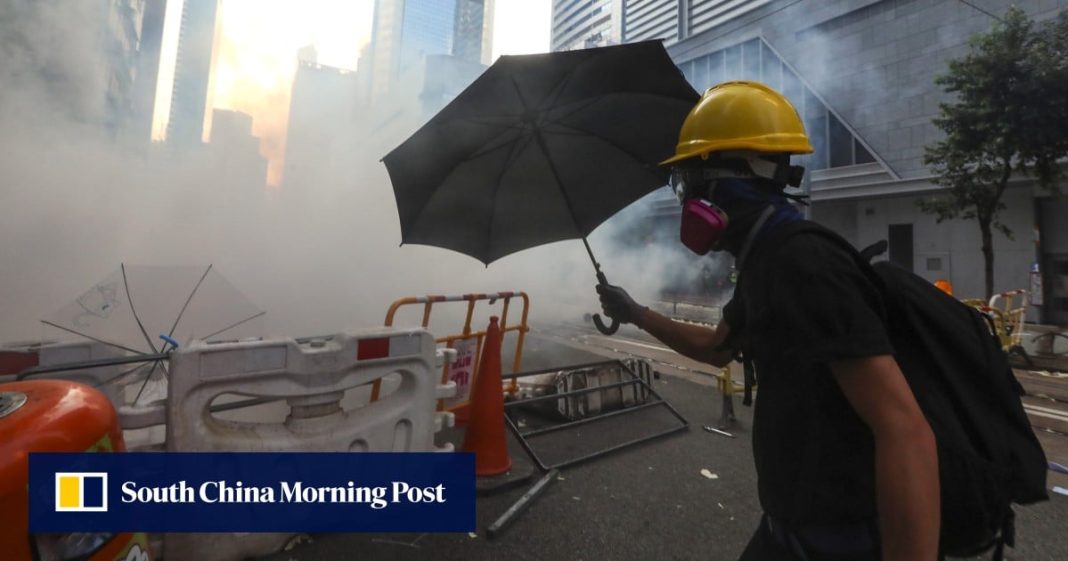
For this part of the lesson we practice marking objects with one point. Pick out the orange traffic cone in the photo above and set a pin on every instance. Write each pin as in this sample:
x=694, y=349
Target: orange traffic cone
x=485, y=431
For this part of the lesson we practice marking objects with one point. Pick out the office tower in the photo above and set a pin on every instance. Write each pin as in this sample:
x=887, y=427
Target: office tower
x=143, y=100
x=580, y=24
x=320, y=110
x=473, y=31
x=403, y=33
x=191, y=96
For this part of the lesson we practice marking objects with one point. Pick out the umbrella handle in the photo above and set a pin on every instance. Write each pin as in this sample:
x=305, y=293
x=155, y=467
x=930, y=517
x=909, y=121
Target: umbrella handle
x=609, y=329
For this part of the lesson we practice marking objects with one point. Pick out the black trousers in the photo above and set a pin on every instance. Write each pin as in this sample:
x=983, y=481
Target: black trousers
x=781, y=545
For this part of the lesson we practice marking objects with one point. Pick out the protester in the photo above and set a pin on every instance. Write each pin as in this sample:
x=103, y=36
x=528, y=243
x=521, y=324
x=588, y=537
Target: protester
x=846, y=461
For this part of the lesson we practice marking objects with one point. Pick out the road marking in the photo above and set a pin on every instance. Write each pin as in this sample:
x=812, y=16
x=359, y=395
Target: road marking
x=1047, y=412
x=632, y=343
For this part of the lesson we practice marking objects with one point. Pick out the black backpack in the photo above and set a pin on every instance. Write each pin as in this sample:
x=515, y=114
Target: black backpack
x=988, y=455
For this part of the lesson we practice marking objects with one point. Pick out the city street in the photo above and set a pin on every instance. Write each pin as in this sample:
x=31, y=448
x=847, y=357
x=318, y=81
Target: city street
x=651, y=501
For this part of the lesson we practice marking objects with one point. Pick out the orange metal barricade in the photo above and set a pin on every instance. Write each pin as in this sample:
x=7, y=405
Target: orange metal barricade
x=449, y=341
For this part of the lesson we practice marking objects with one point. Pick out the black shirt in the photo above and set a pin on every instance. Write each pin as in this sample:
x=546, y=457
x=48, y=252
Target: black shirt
x=801, y=302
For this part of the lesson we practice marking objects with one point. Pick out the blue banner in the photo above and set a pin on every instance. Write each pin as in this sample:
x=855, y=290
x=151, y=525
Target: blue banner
x=252, y=492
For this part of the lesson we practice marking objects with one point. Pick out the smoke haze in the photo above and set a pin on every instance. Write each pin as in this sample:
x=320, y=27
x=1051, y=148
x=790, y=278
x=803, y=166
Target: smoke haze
x=317, y=257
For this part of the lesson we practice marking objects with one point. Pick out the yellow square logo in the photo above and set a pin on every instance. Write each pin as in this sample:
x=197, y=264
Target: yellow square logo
x=82, y=492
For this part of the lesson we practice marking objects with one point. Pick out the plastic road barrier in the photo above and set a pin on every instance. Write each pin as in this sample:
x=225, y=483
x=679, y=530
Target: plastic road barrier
x=312, y=377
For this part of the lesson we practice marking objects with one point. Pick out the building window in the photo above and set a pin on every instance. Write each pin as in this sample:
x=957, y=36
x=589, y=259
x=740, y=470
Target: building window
x=715, y=68
x=834, y=144
x=771, y=69
x=700, y=74
x=840, y=143
x=861, y=154
x=733, y=66
x=751, y=60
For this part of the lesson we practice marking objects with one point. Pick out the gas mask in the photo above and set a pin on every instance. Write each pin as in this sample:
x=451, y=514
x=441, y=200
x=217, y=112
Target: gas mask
x=703, y=223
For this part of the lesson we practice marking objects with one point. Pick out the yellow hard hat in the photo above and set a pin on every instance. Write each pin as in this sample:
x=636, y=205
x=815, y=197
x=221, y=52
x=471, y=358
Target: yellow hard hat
x=741, y=116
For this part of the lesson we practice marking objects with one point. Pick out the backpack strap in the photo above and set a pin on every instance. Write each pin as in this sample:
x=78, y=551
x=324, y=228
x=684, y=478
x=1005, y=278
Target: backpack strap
x=750, y=379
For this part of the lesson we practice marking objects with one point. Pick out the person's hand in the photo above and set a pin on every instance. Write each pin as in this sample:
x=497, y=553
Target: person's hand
x=617, y=304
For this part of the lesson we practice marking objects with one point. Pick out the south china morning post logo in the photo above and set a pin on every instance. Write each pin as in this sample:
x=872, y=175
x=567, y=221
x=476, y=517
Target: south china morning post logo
x=81, y=492
x=296, y=492
x=252, y=492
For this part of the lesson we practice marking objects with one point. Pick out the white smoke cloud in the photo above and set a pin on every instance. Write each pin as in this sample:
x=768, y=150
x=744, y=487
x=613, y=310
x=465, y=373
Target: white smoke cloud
x=318, y=258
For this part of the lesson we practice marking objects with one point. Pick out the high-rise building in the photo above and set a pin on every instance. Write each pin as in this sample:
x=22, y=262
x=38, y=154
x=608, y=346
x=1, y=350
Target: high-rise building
x=234, y=153
x=581, y=24
x=473, y=31
x=862, y=76
x=675, y=20
x=143, y=100
x=320, y=110
x=122, y=31
x=404, y=32
x=71, y=60
x=191, y=96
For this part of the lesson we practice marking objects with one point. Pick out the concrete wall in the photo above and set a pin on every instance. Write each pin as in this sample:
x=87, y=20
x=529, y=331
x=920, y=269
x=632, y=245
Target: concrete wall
x=950, y=250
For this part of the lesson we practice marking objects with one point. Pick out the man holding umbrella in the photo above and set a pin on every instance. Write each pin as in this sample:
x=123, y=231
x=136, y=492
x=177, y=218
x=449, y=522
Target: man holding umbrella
x=846, y=461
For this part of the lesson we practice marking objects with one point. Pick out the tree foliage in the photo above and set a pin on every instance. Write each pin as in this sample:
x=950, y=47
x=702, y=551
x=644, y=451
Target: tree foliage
x=1009, y=117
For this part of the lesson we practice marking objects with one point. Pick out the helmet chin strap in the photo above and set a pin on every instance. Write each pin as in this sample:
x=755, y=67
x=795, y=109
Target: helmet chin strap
x=739, y=261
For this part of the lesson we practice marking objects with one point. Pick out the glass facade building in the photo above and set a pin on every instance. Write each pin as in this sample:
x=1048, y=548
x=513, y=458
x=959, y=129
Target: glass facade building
x=580, y=24
x=191, y=96
x=404, y=33
x=426, y=29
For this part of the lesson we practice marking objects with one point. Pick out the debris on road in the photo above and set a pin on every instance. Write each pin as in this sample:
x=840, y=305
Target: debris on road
x=522, y=504
x=709, y=474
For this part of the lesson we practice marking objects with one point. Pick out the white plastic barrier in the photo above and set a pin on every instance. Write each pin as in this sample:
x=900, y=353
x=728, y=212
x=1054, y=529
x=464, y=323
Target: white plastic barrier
x=104, y=378
x=312, y=378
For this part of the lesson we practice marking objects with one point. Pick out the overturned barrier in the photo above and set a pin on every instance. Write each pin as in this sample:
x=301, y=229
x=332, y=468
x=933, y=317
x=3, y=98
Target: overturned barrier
x=632, y=373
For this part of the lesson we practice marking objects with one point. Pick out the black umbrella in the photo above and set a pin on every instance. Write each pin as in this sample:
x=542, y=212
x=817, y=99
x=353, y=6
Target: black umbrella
x=541, y=148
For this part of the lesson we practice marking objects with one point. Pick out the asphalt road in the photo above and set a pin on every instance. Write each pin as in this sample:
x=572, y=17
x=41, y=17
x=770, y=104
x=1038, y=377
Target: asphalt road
x=687, y=496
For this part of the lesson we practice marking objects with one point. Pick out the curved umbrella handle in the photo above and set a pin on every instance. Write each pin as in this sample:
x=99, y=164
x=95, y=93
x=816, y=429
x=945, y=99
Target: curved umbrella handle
x=610, y=329
x=606, y=329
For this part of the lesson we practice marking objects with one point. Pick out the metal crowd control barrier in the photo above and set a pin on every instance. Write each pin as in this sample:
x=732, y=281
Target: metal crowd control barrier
x=450, y=341
x=1006, y=321
x=313, y=378
x=1011, y=333
x=629, y=367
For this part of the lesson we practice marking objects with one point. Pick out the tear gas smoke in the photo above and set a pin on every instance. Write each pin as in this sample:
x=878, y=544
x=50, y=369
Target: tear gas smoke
x=317, y=257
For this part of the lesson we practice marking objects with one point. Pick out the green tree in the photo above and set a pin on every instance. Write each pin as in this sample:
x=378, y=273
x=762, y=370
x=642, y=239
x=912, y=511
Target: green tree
x=1009, y=119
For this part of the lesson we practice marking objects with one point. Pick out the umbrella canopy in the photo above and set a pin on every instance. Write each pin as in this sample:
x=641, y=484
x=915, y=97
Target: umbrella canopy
x=133, y=306
x=540, y=148
x=147, y=310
